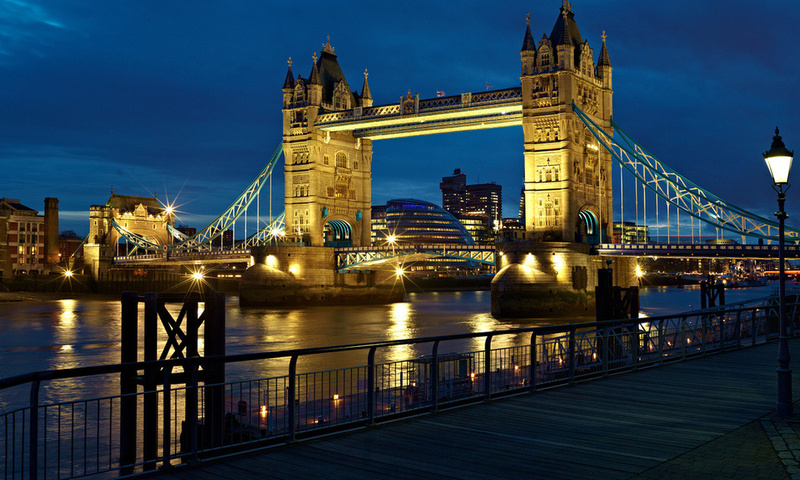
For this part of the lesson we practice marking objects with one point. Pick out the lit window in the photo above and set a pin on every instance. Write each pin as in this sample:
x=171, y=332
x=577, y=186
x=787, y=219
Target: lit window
x=341, y=160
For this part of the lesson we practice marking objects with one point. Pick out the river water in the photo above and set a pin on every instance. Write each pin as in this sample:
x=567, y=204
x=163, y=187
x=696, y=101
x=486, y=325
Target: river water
x=68, y=333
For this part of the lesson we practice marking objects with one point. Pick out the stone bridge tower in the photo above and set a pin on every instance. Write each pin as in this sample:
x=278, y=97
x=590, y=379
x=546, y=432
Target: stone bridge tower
x=327, y=174
x=567, y=187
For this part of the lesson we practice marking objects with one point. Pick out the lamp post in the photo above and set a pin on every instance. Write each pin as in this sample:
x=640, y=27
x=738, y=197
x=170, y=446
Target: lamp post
x=779, y=162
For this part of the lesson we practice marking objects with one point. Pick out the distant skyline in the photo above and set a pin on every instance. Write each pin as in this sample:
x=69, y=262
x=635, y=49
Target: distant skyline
x=183, y=98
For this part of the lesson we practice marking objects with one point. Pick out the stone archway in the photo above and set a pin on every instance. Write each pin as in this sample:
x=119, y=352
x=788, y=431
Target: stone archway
x=338, y=233
x=588, y=231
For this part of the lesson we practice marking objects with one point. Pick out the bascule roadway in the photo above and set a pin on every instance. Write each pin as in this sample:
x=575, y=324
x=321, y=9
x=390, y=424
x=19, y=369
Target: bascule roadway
x=711, y=417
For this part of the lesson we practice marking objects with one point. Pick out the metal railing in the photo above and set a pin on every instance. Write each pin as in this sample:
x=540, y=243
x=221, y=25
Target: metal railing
x=71, y=439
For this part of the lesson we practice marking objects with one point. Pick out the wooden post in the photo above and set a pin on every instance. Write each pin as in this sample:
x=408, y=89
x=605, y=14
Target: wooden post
x=214, y=374
x=150, y=414
x=128, y=414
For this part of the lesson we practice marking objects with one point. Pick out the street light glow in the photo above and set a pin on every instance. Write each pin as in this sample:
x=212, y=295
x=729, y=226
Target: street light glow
x=778, y=160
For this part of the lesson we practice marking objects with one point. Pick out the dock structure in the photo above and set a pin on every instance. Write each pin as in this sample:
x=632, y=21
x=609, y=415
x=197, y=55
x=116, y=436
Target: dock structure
x=708, y=417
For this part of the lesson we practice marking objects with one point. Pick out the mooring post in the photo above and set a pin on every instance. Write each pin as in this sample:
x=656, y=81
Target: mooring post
x=214, y=318
x=129, y=351
x=150, y=424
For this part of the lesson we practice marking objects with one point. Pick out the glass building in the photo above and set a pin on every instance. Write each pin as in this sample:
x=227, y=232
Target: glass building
x=412, y=221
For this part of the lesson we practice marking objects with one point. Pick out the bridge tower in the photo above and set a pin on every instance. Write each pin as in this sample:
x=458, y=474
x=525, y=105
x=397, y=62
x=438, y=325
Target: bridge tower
x=567, y=186
x=327, y=174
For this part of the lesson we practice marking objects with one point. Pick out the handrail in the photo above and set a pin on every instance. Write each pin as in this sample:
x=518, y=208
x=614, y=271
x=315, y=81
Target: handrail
x=301, y=403
x=47, y=375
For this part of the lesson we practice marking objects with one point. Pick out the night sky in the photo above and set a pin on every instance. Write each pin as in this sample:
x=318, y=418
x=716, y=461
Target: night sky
x=183, y=97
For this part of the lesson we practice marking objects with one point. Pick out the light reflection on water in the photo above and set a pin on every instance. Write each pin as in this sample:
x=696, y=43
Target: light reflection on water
x=70, y=333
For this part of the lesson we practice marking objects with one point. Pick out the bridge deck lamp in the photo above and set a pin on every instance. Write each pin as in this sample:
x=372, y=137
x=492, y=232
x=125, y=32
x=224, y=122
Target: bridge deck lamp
x=779, y=162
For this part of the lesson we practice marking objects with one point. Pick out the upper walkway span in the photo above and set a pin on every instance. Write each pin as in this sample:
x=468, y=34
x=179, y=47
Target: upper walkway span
x=412, y=116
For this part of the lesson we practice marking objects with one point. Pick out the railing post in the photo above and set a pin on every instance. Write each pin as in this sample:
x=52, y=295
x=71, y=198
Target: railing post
x=487, y=367
x=292, y=408
x=192, y=413
x=532, y=372
x=371, y=385
x=604, y=349
x=571, y=356
x=683, y=338
x=33, y=436
x=633, y=331
x=703, y=333
x=661, y=342
x=166, y=427
x=435, y=375
x=753, y=328
x=739, y=329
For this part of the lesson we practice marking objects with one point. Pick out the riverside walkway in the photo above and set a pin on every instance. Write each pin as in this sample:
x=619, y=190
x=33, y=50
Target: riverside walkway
x=711, y=418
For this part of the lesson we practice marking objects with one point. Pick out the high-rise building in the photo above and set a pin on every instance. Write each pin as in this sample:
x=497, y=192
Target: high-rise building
x=454, y=192
x=486, y=199
x=468, y=202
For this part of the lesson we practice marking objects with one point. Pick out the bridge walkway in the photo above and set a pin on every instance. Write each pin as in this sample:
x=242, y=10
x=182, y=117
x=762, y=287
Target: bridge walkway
x=710, y=417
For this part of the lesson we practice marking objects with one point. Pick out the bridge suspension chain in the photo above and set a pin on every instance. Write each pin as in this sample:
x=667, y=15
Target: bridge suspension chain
x=678, y=190
x=268, y=234
x=206, y=235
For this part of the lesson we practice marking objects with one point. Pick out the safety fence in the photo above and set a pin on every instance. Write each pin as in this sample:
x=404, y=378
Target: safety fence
x=191, y=421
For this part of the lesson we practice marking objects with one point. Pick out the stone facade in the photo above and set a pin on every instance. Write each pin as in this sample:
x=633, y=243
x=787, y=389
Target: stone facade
x=567, y=187
x=143, y=216
x=28, y=241
x=327, y=175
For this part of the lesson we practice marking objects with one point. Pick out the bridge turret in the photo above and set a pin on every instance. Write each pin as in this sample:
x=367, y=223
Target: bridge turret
x=604, y=66
x=528, y=52
x=366, y=95
x=567, y=187
x=566, y=38
x=288, y=86
x=314, y=84
x=327, y=191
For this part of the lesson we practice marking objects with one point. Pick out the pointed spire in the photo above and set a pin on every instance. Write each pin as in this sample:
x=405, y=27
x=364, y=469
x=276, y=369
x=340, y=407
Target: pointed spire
x=289, y=82
x=365, y=93
x=604, y=60
x=527, y=42
x=327, y=48
x=314, y=79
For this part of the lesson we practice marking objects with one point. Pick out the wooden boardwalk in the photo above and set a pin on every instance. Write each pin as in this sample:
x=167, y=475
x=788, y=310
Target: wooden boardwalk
x=614, y=428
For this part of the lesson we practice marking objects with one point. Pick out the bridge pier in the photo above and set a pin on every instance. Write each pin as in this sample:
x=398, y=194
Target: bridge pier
x=285, y=276
x=547, y=279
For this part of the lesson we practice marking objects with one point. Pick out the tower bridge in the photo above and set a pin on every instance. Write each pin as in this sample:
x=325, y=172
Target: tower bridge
x=328, y=131
x=564, y=105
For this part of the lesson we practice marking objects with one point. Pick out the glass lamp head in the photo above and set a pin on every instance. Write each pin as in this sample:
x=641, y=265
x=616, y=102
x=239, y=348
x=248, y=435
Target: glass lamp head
x=779, y=160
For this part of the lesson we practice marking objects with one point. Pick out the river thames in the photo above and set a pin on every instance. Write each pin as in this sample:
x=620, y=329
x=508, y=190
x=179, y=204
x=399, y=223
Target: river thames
x=58, y=334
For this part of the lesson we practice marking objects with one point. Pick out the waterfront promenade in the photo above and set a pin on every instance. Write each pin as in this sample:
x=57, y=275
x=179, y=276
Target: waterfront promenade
x=709, y=418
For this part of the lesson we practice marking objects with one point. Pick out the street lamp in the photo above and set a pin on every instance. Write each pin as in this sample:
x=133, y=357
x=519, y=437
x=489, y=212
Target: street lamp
x=779, y=162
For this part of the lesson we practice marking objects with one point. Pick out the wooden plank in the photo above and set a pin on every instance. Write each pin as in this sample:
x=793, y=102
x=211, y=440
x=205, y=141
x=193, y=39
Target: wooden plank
x=611, y=428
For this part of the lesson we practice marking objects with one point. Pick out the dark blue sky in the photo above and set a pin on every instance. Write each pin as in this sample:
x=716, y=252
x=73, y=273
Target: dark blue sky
x=184, y=97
